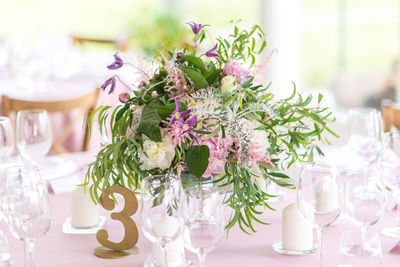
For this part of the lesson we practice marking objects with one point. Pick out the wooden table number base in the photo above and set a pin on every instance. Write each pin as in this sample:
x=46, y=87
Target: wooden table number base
x=107, y=253
x=112, y=250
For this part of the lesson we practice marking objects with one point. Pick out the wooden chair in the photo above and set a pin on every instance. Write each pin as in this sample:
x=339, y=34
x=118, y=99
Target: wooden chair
x=87, y=103
x=121, y=43
x=391, y=115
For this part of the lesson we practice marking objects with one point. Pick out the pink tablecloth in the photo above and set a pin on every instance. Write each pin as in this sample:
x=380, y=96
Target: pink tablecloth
x=59, y=249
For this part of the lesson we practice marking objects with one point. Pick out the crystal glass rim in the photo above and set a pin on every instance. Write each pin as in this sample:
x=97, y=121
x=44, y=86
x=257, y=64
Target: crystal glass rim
x=365, y=169
x=22, y=166
x=319, y=166
x=363, y=110
x=30, y=111
x=161, y=175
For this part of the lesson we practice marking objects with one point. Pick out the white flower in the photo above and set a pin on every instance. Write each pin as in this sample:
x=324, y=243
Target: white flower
x=261, y=138
x=228, y=83
x=159, y=154
x=258, y=138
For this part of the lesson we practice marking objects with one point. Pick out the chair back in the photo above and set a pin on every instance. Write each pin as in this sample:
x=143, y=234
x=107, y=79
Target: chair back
x=391, y=115
x=87, y=103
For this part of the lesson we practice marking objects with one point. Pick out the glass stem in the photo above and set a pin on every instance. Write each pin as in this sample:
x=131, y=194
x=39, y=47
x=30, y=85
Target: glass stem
x=164, y=250
x=398, y=210
x=364, y=236
x=202, y=258
x=319, y=235
x=29, y=252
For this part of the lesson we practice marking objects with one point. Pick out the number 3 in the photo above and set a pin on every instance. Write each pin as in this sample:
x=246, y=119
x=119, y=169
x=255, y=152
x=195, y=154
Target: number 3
x=131, y=234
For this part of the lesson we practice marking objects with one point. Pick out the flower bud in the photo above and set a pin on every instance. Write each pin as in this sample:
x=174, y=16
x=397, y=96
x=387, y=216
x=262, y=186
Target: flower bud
x=124, y=97
x=228, y=84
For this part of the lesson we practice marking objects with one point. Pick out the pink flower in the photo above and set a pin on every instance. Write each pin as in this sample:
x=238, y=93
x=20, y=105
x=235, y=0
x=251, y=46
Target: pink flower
x=233, y=67
x=218, y=154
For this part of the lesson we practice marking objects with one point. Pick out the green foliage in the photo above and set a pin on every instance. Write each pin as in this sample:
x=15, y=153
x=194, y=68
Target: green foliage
x=149, y=123
x=244, y=44
x=195, y=78
x=197, y=159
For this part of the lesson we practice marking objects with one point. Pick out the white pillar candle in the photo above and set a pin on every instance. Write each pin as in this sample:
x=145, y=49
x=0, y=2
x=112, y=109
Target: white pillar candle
x=84, y=213
x=168, y=226
x=297, y=232
x=326, y=196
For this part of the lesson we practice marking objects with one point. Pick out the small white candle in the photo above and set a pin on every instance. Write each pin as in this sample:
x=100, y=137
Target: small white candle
x=84, y=213
x=326, y=196
x=168, y=226
x=297, y=232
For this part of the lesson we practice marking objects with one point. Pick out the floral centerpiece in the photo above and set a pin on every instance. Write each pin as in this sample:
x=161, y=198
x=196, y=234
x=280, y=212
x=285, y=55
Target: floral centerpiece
x=203, y=112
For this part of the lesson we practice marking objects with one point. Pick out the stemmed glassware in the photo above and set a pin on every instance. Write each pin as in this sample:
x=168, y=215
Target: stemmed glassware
x=27, y=206
x=391, y=176
x=319, y=197
x=366, y=133
x=203, y=211
x=161, y=220
x=33, y=134
x=6, y=138
x=365, y=197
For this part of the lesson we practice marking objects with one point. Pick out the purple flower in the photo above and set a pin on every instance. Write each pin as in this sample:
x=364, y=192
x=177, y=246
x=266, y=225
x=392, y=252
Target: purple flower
x=187, y=126
x=176, y=115
x=111, y=82
x=177, y=118
x=212, y=53
x=196, y=28
x=116, y=64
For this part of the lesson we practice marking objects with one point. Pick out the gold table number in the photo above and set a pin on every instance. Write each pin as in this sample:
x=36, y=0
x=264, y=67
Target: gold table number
x=126, y=247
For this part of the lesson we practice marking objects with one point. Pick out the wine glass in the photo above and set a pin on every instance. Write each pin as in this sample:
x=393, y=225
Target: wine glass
x=350, y=244
x=365, y=197
x=203, y=211
x=161, y=222
x=391, y=177
x=33, y=135
x=319, y=197
x=366, y=133
x=28, y=206
x=6, y=138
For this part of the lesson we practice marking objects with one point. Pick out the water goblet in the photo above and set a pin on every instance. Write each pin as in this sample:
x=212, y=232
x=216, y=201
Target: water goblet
x=365, y=133
x=161, y=221
x=365, y=197
x=319, y=197
x=351, y=243
x=28, y=206
x=203, y=211
x=33, y=134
